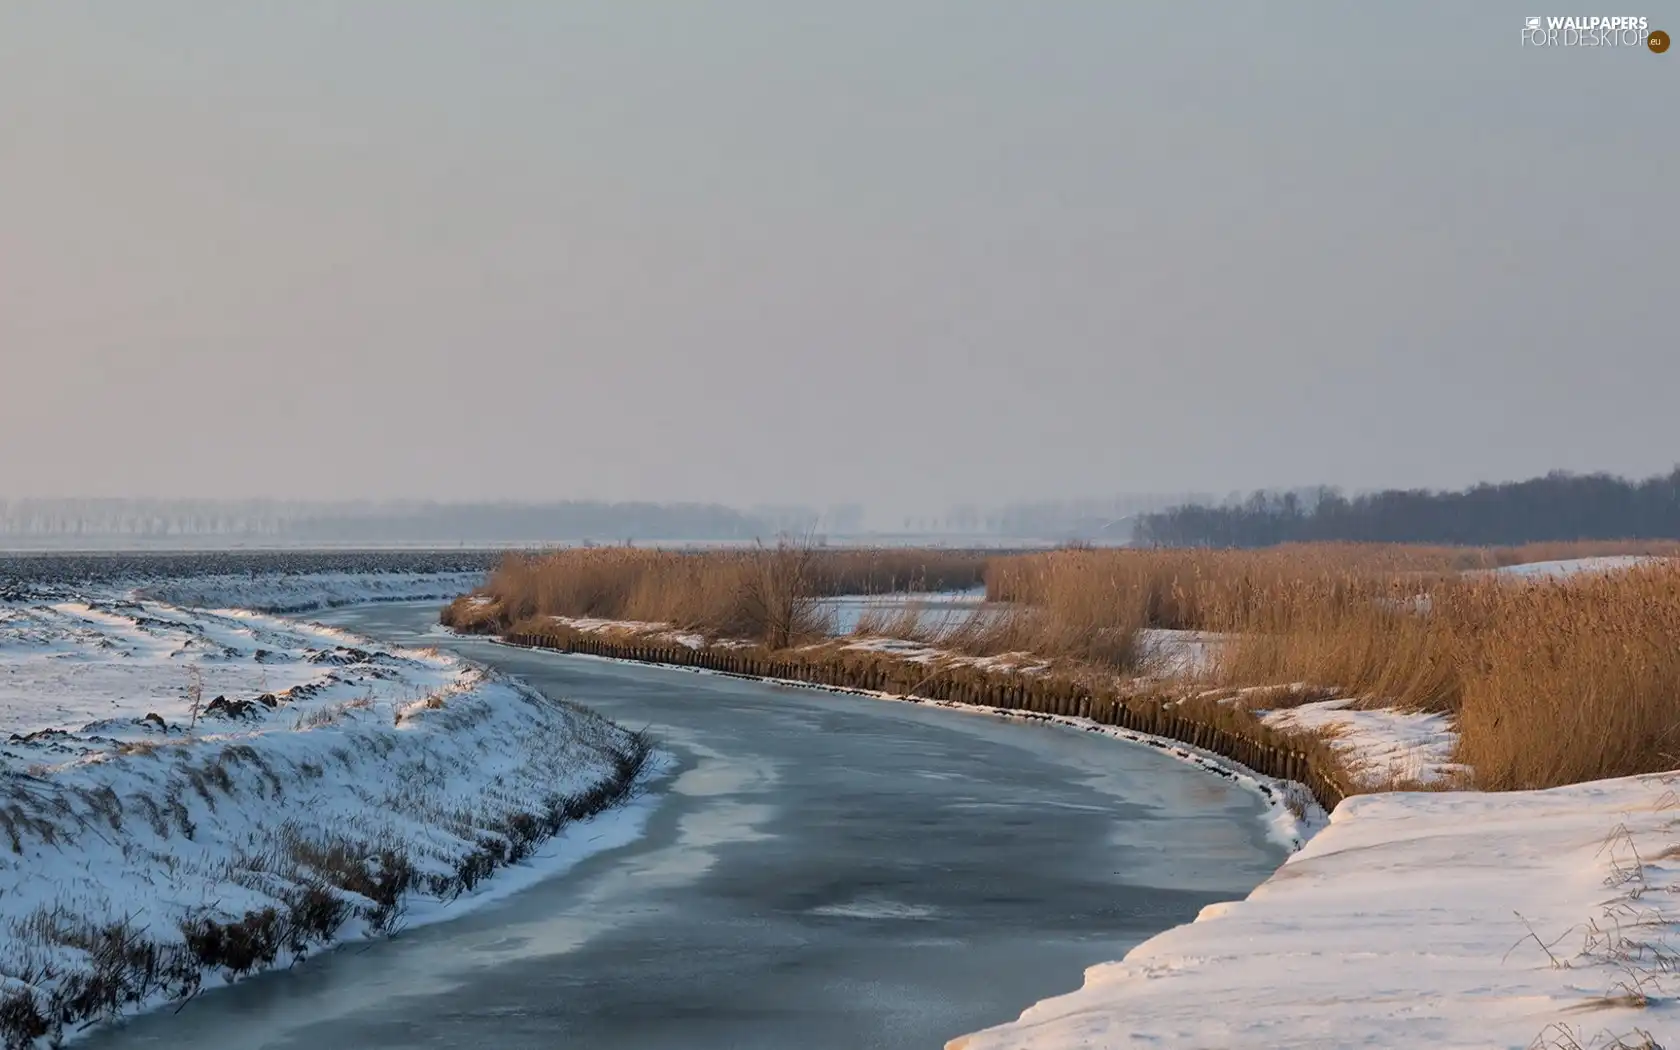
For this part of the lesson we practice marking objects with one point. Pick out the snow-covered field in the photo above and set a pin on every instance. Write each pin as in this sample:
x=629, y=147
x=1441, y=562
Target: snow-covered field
x=302, y=592
x=189, y=795
x=1454, y=919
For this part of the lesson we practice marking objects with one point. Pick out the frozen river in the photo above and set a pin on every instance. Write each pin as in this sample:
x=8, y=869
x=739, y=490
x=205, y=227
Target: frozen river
x=819, y=871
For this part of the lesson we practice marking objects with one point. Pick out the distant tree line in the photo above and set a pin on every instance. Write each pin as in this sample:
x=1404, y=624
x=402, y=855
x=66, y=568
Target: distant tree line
x=1559, y=506
x=1108, y=518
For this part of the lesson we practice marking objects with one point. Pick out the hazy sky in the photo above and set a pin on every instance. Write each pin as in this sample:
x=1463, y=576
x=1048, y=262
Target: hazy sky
x=906, y=253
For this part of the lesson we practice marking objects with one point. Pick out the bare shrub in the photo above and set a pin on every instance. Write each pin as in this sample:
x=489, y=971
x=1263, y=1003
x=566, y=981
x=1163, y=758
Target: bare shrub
x=195, y=693
x=236, y=947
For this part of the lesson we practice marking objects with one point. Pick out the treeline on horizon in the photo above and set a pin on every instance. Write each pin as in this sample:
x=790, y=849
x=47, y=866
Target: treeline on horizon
x=1558, y=506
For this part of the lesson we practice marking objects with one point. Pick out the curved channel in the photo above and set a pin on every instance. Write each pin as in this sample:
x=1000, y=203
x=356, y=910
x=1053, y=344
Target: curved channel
x=817, y=871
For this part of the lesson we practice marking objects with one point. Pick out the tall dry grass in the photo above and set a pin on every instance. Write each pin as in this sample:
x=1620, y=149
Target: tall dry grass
x=1550, y=681
x=1573, y=681
x=1560, y=550
x=766, y=594
x=1196, y=589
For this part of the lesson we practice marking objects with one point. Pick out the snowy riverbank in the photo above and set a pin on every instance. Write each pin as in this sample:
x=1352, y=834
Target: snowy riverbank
x=187, y=796
x=1455, y=919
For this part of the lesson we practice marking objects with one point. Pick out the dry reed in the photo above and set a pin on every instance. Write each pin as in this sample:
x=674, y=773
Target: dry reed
x=767, y=594
x=1549, y=681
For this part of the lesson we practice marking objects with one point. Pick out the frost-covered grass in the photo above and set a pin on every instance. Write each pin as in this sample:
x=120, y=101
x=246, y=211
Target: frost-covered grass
x=1445, y=919
x=189, y=796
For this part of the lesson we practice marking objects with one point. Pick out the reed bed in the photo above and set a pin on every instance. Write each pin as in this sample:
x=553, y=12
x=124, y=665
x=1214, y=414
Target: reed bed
x=1550, y=681
x=766, y=594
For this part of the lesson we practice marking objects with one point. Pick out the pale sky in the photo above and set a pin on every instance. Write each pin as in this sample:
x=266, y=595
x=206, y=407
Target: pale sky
x=906, y=253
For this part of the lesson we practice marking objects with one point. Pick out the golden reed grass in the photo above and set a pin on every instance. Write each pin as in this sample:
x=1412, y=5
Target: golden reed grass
x=1549, y=681
x=765, y=594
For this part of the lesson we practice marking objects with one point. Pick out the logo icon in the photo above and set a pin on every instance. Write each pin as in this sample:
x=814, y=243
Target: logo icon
x=1533, y=23
x=1657, y=41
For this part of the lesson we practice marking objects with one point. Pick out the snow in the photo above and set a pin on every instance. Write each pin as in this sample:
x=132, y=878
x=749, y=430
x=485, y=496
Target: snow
x=934, y=656
x=71, y=663
x=1572, y=566
x=1381, y=747
x=117, y=806
x=1172, y=653
x=1407, y=923
x=653, y=632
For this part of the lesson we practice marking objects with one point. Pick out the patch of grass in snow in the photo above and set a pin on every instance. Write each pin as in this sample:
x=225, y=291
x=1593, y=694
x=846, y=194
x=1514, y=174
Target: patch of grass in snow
x=1627, y=938
x=1560, y=1036
x=331, y=714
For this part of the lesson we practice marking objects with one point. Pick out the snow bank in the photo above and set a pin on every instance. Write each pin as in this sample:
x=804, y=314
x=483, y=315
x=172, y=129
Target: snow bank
x=328, y=787
x=1533, y=919
x=1379, y=747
